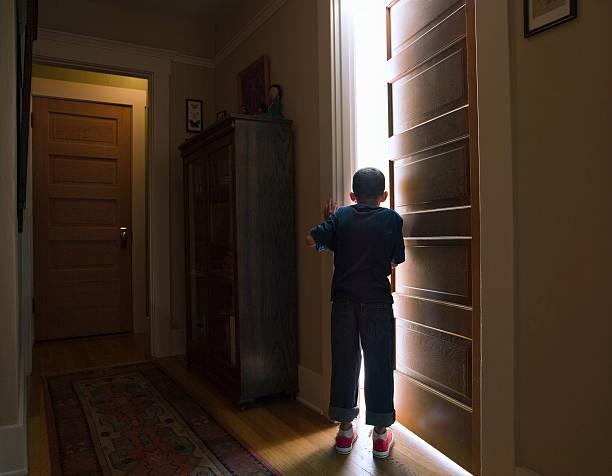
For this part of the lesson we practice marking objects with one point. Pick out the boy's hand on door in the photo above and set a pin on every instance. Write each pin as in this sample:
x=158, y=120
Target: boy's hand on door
x=310, y=241
x=329, y=208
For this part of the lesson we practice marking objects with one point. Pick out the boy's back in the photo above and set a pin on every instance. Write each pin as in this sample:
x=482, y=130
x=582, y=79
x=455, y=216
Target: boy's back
x=366, y=240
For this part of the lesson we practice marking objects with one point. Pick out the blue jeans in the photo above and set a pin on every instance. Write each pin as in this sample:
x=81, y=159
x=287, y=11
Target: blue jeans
x=373, y=325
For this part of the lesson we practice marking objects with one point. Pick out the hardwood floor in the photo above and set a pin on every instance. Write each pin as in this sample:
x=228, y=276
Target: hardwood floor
x=295, y=439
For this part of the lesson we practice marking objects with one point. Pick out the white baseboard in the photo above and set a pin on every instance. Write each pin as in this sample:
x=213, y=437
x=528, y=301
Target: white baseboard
x=13, y=450
x=310, y=389
x=520, y=471
x=314, y=408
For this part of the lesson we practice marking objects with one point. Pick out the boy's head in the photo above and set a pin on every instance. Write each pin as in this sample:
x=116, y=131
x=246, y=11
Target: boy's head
x=369, y=186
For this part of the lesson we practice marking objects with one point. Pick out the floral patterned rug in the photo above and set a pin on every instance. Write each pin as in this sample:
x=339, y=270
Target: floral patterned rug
x=135, y=419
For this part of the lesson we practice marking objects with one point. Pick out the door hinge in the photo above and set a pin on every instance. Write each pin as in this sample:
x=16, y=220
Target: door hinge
x=33, y=302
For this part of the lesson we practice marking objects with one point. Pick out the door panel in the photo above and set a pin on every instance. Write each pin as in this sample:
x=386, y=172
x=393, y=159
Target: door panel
x=440, y=175
x=437, y=358
x=430, y=90
x=441, y=222
x=433, y=169
x=443, y=422
x=451, y=30
x=406, y=18
x=82, y=195
x=83, y=170
x=443, y=130
x=456, y=319
x=436, y=269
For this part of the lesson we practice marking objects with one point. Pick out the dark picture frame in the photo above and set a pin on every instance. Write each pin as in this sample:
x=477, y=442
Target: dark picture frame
x=221, y=115
x=27, y=23
x=253, y=85
x=552, y=13
x=194, y=115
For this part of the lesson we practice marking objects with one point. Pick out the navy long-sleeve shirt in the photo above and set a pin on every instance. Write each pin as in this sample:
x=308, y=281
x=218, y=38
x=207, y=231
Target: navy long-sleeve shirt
x=366, y=241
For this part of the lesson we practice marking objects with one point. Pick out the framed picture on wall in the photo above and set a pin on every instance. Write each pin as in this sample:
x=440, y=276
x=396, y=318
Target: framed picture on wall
x=253, y=86
x=540, y=15
x=193, y=113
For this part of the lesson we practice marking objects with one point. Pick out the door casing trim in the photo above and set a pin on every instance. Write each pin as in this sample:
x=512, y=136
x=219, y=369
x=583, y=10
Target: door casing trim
x=100, y=55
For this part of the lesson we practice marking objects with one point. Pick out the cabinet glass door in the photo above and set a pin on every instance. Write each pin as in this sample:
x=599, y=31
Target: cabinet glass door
x=220, y=264
x=198, y=230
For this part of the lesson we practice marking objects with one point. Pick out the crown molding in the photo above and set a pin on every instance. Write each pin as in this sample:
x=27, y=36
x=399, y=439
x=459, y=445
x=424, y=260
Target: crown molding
x=251, y=27
x=60, y=37
x=69, y=39
x=193, y=60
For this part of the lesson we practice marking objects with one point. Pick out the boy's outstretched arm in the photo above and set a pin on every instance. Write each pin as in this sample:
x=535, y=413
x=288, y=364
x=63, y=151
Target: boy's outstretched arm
x=322, y=235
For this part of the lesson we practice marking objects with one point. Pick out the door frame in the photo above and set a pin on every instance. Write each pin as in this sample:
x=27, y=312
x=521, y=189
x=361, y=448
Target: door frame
x=83, y=52
x=496, y=195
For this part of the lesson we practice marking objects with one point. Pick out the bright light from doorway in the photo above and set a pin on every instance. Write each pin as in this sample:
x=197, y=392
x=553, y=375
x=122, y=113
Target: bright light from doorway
x=370, y=89
x=371, y=124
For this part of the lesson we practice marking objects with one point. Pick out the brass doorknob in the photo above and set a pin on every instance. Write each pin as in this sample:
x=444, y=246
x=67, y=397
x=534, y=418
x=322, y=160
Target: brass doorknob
x=123, y=234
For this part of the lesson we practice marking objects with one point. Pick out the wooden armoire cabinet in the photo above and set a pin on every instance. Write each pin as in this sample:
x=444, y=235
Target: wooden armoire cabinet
x=240, y=256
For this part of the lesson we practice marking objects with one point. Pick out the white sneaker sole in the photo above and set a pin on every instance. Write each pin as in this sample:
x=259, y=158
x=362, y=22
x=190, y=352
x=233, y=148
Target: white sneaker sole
x=345, y=451
x=384, y=454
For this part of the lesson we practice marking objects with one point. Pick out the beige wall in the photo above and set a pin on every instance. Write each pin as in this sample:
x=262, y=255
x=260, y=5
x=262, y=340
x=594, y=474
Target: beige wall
x=227, y=28
x=562, y=109
x=289, y=38
x=191, y=82
x=88, y=77
x=142, y=23
x=9, y=290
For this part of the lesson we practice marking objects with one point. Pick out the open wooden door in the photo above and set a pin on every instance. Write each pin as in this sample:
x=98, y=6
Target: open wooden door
x=434, y=182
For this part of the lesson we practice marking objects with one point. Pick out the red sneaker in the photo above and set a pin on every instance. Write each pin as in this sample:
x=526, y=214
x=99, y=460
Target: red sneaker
x=345, y=439
x=381, y=444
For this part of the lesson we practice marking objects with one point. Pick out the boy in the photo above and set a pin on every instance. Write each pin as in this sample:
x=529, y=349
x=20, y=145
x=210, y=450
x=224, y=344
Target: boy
x=367, y=242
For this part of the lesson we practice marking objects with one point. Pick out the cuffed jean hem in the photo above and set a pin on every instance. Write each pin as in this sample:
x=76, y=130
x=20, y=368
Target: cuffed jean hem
x=380, y=419
x=343, y=415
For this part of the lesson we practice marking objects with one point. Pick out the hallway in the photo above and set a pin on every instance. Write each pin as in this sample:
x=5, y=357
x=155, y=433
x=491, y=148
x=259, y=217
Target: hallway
x=296, y=440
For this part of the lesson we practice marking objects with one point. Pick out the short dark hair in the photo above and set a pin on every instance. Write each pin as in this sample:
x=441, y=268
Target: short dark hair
x=368, y=182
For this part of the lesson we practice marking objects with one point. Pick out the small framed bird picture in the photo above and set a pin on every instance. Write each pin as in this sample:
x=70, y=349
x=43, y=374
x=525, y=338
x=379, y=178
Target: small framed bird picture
x=193, y=114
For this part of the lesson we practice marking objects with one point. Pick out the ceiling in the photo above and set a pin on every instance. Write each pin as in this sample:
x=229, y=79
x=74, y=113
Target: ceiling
x=208, y=11
x=186, y=26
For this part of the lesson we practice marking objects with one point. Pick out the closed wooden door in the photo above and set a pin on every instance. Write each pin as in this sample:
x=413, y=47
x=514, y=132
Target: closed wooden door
x=434, y=177
x=82, y=218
